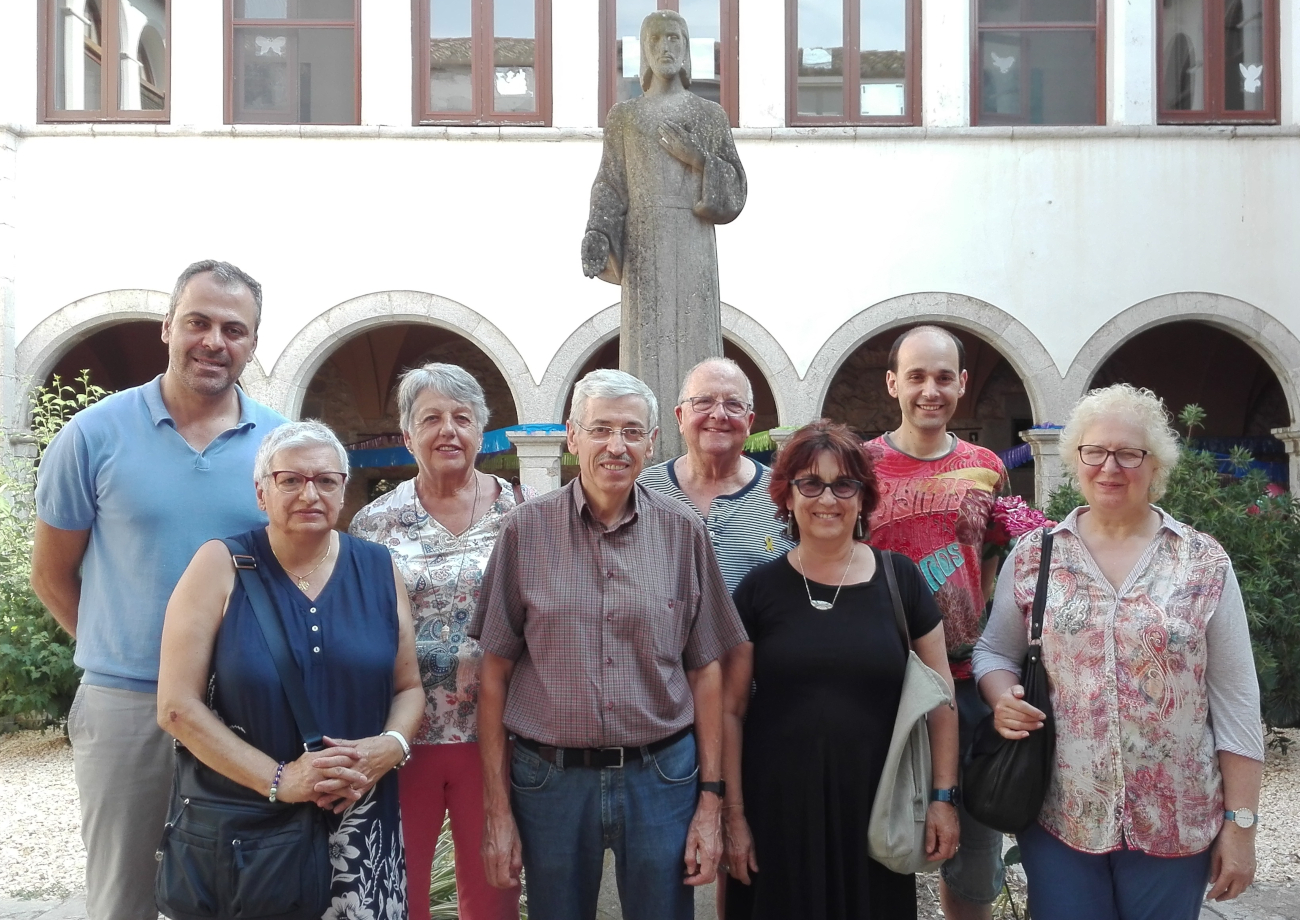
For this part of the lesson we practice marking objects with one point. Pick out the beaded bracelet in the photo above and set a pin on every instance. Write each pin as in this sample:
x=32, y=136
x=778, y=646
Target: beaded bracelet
x=275, y=783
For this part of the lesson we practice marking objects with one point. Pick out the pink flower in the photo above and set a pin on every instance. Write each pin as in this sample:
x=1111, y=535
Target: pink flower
x=1012, y=518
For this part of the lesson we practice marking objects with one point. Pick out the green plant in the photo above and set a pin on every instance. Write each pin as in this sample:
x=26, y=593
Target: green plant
x=443, y=904
x=37, y=675
x=1261, y=534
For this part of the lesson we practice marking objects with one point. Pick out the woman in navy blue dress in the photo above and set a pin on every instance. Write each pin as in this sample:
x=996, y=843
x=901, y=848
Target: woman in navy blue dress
x=348, y=621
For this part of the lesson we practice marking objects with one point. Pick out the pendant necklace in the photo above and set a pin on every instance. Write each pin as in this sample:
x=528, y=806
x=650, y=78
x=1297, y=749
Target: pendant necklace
x=824, y=605
x=445, y=632
x=303, y=583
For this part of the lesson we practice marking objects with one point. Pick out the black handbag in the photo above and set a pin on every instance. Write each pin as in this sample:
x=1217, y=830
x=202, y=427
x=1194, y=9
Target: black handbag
x=1004, y=781
x=227, y=851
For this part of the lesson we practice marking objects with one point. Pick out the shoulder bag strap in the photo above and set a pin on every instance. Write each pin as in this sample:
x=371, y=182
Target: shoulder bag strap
x=891, y=578
x=268, y=619
x=1040, y=592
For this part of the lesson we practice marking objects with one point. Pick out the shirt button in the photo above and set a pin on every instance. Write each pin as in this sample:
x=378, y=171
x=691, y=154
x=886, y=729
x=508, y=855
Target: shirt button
x=609, y=661
x=316, y=650
x=315, y=629
x=609, y=705
x=313, y=610
x=610, y=617
x=609, y=574
x=670, y=605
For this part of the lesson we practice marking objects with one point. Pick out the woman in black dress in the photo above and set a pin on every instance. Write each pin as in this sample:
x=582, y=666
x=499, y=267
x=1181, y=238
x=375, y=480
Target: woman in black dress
x=827, y=666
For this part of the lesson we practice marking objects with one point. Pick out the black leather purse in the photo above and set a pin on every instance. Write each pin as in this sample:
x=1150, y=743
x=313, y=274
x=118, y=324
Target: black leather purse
x=227, y=851
x=1004, y=781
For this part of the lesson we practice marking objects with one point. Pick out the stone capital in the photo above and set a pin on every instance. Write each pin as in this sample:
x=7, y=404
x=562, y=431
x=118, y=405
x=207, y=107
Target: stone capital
x=1290, y=438
x=1049, y=472
x=540, y=455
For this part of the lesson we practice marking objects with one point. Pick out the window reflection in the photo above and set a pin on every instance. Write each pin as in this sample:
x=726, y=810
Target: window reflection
x=1182, y=26
x=514, y=57
x=79, y=55
x=451, y=53
x=1243, y=52
x=291, y=66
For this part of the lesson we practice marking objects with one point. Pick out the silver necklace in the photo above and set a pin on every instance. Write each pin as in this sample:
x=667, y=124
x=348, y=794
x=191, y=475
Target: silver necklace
x=445, y=632
x=824, y=605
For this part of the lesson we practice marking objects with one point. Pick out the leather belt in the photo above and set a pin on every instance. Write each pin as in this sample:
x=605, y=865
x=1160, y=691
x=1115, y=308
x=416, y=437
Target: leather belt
x=598, y=758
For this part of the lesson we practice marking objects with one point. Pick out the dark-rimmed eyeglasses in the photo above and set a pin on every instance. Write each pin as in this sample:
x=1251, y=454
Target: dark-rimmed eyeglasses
x=1129, y=458
x=702, y=404
x=813, y=487
x=291, y=482
x=602, y=433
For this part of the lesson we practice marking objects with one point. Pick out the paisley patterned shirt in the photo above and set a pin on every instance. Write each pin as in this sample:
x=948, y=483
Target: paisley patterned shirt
x=1143, y=679
x=443, y=573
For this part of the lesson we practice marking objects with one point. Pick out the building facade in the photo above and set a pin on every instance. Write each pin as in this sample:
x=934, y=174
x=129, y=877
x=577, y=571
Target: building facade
x=1085, y=190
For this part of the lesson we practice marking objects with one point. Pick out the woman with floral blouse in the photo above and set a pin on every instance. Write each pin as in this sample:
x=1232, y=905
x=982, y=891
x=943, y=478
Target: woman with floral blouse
x=440, y=528
x=1159, y=750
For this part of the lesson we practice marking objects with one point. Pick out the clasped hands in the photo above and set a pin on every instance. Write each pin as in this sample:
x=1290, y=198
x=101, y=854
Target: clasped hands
x=341, y=773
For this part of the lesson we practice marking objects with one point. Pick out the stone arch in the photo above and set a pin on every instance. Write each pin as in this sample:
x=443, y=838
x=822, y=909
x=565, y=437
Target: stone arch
x=738, y=327
x=313, y=344
x=1264, y=333
x=52, y=337
x=1021, y=348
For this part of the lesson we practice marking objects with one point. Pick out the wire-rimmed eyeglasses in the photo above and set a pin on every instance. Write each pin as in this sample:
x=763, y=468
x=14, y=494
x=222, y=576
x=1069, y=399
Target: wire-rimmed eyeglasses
x=702, y=404
x=602, y=433
x=1129, y=458
x=812, y=487
x=291, y=482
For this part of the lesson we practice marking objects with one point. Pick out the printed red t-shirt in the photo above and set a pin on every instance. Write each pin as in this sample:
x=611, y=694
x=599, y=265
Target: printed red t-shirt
x=937, y=512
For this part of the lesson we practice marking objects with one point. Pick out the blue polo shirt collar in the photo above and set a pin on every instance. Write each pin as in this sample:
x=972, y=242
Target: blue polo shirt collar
x=152, y=392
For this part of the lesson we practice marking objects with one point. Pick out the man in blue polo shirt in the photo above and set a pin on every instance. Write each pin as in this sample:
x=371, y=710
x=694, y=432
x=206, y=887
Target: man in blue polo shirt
x=126, y=493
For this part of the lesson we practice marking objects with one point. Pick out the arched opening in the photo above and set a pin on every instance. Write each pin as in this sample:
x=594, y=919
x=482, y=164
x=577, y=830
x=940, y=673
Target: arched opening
x=354, y=392
x=119, y=356
x=1192, y=362
x=995, y=408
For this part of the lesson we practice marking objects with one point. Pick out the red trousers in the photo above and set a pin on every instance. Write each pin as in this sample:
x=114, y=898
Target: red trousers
x=444, y=778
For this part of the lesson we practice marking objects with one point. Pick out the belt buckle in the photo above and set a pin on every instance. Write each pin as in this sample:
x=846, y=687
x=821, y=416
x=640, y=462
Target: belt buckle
x=619, y=765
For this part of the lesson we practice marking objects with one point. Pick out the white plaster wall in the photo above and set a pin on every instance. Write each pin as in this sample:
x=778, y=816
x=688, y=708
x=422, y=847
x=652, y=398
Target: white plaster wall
x=18, y=66
x=762, y=63
x=1131, y=74
x=945, y=64
x=386, y=84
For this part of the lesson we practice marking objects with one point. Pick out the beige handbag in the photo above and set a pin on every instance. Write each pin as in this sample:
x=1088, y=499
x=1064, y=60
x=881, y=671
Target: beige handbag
x=896, y=834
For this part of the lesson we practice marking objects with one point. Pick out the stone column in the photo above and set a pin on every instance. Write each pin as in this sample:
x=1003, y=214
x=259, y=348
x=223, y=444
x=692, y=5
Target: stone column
x=1290, y=438
x=540, y=455
x=1048, y=472
x=780, y=435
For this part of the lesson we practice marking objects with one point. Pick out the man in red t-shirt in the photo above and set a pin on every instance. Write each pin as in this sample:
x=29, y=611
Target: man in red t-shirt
x=936, y=503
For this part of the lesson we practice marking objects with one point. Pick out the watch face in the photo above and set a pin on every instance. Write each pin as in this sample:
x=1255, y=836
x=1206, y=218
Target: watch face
x=1243, y=817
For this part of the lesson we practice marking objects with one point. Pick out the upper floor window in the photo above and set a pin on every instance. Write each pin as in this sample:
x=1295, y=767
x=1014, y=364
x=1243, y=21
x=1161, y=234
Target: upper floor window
x=1039, y=62
x=714, y=54
x=1218, y=60
x=293, y=62
x=483, y=62
x=104, y=60
x=853, y=62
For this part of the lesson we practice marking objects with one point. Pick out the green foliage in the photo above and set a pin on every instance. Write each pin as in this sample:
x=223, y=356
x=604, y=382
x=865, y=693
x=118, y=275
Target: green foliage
x=1262, y=536
x=443, y=904
x=37, y=676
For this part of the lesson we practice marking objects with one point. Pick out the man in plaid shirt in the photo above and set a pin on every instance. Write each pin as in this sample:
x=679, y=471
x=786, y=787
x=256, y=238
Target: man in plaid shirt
x=602, y=618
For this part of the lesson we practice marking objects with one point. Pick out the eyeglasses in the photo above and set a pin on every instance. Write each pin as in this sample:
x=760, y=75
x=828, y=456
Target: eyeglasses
x=1129, y=458
x=291, y=483
x=599, y=434
x=840, y=488
x=702, y=404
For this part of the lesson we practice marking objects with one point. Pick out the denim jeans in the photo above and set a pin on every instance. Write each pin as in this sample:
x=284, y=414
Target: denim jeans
x=569, y=816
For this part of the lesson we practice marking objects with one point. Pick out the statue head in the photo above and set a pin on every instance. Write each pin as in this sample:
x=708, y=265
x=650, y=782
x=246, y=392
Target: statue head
x=651, y=26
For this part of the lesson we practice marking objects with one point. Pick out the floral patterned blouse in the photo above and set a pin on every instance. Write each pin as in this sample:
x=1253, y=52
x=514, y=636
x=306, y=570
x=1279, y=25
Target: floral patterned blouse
x=1148, y=683
x=443, y=573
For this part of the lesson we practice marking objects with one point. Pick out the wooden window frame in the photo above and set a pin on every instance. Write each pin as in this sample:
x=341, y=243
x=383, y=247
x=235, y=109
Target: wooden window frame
x=1098, y=26
x=229, y=58
x=1214, y=113
x=852, y=96
x=109, y=76
x=482, y=38
x=728, y=65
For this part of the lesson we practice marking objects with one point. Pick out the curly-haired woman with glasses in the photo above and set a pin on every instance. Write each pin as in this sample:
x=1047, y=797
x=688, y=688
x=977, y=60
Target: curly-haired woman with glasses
x=1159, y=751
x=827, y=663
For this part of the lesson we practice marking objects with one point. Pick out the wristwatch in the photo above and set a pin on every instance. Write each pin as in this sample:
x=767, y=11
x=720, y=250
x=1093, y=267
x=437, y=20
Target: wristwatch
x=1242, y=817
x=951, y=796
x=718, y=788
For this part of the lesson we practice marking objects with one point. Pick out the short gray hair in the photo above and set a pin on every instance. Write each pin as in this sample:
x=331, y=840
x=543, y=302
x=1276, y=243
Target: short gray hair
x=291, y=435
x=449, y=380
x=227, y=275
x=726, y=363
x=1139, y=406
x=606, y=383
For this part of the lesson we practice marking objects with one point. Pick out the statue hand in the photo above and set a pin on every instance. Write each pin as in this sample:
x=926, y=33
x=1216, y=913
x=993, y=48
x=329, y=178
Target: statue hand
x=595, y=253
x=677, y=140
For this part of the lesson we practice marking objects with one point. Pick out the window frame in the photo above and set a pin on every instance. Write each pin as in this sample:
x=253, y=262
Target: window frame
x=1214, y=113
x=728, y=65
x=1098, y=26
x=228, y=65
x=109, y=44
x=852, y=29
x=481, y=62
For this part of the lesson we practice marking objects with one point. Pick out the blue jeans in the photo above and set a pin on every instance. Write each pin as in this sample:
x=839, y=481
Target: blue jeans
x=1065, y=884
x=569, y=816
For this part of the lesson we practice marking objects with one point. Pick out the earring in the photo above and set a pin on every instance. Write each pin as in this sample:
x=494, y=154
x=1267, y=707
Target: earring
x=791, y=529
x=859, y=531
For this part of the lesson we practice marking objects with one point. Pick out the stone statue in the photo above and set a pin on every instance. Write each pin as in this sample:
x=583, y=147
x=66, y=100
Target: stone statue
x=668, y=173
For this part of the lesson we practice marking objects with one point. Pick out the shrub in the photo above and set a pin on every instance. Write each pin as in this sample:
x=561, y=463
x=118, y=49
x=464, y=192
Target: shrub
x=37, y=676
x=1261, y=534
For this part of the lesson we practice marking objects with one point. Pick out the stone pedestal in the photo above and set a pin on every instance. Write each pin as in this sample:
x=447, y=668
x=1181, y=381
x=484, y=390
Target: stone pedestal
x=1048, y=471
x=540, y=455
x=780, y=435
x=1290, y=438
